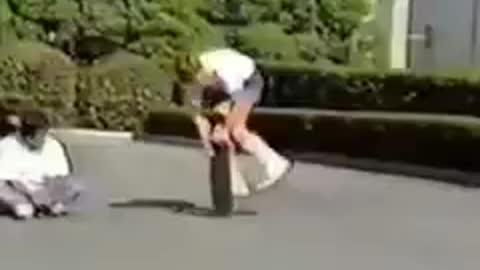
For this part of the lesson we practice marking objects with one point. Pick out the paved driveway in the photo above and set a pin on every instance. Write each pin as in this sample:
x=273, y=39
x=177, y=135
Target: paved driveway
x=322, y=218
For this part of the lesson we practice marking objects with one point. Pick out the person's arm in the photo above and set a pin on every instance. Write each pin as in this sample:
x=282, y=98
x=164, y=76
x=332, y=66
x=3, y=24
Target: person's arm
x=194, y=108
x=204, y=129
x=58, y=167
x=8, y=171
x=207, y=132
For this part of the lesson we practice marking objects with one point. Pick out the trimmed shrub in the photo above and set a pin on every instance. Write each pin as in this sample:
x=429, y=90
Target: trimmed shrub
x=175, y=121
x=118, y=91
x=426, y=140
x=38, y=74
x=307, y=87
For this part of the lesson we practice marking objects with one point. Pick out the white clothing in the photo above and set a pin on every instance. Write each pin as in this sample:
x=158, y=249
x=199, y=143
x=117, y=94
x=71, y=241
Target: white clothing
x=233, y=67
x=31, y=167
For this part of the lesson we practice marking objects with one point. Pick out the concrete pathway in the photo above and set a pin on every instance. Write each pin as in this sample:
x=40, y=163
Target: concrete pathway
x=321, y=218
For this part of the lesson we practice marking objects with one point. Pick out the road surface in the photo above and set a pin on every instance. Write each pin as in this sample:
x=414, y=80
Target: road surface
x=320, y=218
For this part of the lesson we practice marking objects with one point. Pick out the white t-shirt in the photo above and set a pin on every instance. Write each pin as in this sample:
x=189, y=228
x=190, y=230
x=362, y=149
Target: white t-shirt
x=233, y=67
x=19, y=163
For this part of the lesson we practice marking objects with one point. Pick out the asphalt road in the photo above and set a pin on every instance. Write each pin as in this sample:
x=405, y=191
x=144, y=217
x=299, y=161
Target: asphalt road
x=320, y=218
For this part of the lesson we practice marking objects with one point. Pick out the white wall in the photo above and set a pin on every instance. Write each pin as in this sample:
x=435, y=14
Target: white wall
x=392, y=23
x=399, y=34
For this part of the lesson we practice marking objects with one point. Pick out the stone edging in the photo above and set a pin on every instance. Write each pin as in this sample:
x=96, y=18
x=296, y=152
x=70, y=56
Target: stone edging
x=443, y=175
x=92, y=132
x=467, y=179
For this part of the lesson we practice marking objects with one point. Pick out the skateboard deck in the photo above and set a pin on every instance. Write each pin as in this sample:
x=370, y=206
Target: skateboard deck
x=220, y=182
x=223, y=201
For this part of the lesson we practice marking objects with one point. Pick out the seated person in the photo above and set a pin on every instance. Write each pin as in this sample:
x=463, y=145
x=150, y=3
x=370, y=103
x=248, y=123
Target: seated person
x=34, y=170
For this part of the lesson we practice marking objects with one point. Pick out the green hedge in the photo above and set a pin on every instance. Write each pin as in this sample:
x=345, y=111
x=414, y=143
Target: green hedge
x=118, y=91
x=311, y=87
x=115, y=93
x=37, y=74
x=445, y=142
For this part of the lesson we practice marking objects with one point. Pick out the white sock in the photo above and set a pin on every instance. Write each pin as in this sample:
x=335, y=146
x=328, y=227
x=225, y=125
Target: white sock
x=24, y=210
x=260, y=149
x=58, y=209
x=239, y=184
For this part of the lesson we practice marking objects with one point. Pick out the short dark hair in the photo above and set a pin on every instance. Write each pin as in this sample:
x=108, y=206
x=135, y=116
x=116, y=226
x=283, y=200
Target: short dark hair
x=34, y=119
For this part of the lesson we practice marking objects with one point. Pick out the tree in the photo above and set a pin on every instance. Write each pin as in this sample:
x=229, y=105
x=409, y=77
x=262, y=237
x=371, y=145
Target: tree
x=307, y=30
x=319, y=28
x=267, y=41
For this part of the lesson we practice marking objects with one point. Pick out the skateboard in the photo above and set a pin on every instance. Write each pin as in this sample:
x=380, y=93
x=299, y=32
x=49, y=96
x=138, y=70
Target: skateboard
x=223, y=201
x=220, y=178
x=220, y=181
x=222, y=198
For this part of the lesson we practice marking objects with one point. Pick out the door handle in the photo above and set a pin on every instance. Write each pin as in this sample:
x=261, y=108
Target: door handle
x=426, y=36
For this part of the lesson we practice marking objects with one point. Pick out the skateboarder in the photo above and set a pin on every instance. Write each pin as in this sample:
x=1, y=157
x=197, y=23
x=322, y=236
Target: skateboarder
x=233, y=80
x=34, y=170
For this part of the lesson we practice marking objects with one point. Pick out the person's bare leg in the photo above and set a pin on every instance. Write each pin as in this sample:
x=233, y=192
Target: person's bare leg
x=16, y=202
x=274, y=164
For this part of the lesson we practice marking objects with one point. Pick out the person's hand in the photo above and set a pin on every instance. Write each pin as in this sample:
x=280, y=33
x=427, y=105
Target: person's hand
x=208, y=147
x=220, y=135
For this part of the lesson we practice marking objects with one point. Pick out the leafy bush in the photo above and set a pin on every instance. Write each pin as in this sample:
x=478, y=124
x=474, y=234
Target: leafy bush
x=432, y=141
x=38, y=74
x=301, y=86
x=175, y=121
x=268, y=42
x=158, y=29
x=118, y=91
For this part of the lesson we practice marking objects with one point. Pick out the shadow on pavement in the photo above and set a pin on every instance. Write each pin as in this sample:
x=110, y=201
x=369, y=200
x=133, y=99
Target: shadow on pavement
x=177, y=206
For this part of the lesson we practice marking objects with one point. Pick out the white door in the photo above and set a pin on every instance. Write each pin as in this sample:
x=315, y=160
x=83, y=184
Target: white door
x=442, y=34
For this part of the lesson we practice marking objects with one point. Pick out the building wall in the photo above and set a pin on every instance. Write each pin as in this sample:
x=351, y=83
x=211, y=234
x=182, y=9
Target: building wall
x=401, y=30
x=452, y=45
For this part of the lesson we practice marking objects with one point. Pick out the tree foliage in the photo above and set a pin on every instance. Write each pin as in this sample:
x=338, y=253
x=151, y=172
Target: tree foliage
x=309, y=29
x=290, y=30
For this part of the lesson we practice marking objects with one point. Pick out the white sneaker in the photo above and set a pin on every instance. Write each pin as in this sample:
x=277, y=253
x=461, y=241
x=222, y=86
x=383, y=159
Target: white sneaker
x=23, y=211
x=58, y=209
x=274, y=172
x=239, y=187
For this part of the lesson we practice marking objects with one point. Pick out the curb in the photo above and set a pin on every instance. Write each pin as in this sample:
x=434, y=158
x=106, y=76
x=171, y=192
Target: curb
x=94, y=133
x=170, y=140
x=451, y=176
x=445, y=175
